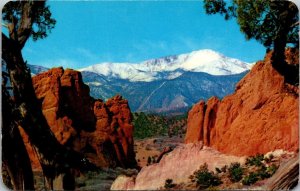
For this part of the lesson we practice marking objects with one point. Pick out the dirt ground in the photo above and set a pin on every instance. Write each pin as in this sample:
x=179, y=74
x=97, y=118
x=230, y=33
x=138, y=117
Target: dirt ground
x=152, y=147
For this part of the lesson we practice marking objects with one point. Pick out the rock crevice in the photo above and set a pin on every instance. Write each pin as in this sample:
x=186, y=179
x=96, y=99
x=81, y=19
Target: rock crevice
x=101, y=131
x=262, y=115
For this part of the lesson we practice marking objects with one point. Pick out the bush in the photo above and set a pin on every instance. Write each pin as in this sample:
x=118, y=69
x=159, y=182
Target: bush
x=169, y=184
x=205, y=178
x=255, y=160
x=272, y=169
x=251, y=179
x=235, y=172
x=151, y=125
x=269, y=158
x=218, y=170
x=262, y=173
x=224, y=168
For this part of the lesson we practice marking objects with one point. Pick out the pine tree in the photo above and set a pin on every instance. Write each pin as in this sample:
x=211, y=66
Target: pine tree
x=275, y=24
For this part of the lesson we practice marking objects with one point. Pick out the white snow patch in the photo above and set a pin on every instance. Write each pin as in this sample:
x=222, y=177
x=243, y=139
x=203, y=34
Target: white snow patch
x=206, y=60
x=94, y=83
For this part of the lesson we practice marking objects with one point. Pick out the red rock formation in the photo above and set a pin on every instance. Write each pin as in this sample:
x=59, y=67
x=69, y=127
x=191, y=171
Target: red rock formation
x=262, y=115
x=101, y=131
x=195, y=123
x=177, y=165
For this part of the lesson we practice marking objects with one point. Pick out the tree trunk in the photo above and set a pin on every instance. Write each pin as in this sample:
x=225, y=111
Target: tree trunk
x=14, y=154
x=290, y=72
x=54, y=158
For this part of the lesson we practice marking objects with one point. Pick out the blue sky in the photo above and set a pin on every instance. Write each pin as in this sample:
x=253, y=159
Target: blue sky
x=91, y=32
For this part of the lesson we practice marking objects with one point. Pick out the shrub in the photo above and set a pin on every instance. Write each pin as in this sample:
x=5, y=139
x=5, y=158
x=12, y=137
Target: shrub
x=169, y=184
x=205, y=178
x=262, y=173
x=269, y=158
x=250, y=179
x=235, y=172
x=150, y=125
x=192, y=178
x=255, y=160
x=224, y=168
x=218, y=170
x=272, y=169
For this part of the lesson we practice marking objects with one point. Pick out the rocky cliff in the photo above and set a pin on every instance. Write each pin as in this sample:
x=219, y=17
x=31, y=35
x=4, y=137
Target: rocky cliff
x=262, y=115
x=101, y=131
x=177, y=165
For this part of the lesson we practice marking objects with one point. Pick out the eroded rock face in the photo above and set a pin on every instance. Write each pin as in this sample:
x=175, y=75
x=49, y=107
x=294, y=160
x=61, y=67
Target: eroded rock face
x=101, y=131
x=286, y=177
x=177, y=165
x=262, y=115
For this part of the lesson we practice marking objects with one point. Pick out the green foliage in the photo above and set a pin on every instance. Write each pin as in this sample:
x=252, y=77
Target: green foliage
x=169, y=184
x=269, y=158
x=235, y=172
x=142, y=126
x=39, y=13
x=262, y=173
x=204, y=178
x=250, y=179
x=272, y=169
x=150, y=125
x=255, y=160
x=264, y=21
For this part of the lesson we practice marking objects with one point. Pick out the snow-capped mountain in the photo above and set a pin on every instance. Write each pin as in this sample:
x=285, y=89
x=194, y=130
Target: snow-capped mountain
x=171, y=67
x=164, y=85
x=37, y=69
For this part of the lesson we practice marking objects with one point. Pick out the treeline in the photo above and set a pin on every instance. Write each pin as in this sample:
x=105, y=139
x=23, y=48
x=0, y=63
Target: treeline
x=152, y=125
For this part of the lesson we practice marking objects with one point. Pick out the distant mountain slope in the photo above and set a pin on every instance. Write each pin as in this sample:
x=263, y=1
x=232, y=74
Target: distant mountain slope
x=164, y=85
x=36, y=69
x=171, y=67
x=164, y=95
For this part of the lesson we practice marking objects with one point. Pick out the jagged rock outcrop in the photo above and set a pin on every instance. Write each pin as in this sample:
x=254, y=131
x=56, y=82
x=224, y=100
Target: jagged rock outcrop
x=177, y=165
x=101, y=131
x=286, y=177
x=262, y=115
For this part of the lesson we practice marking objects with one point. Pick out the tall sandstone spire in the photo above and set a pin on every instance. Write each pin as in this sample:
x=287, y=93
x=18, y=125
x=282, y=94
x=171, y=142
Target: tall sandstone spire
x=260, y=116
x=101, y=131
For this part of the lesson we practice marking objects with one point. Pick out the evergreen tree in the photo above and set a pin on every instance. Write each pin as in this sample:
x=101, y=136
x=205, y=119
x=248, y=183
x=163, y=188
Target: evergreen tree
x=25, y=19
x=275, y=24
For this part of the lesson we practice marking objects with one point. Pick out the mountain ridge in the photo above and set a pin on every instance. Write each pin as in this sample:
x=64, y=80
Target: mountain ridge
x=170, y=67
x=166, y=85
